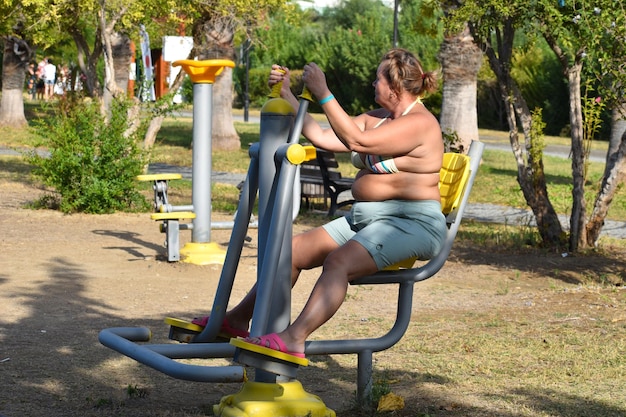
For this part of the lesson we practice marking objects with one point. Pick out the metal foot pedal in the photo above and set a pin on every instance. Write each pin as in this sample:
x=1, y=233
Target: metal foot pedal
x=270, y=360
x=181, y=330
x=184, y=331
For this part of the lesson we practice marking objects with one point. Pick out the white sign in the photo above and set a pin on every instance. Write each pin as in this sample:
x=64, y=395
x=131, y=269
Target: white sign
x=176, y=48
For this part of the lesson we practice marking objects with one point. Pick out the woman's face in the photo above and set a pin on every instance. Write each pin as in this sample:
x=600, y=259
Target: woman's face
x=382, y=92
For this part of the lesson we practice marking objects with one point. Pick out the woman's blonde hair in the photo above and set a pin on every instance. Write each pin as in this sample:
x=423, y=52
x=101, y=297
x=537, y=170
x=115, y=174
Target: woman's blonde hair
x=404, y=72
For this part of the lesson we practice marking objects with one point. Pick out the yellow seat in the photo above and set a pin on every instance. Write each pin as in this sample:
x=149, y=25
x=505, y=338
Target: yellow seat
x=159, y=177
x=453, y=178
x=171, y=225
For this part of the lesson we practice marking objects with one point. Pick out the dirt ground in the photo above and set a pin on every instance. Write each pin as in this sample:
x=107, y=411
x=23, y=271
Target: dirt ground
x=66, y=277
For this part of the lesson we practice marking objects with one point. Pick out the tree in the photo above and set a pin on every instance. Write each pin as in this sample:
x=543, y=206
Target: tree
x=579, y=33
x=571, y=31
x=460, y=60
x=493, y=26
x=604, y=69
x=215, y=27
x=16, y=56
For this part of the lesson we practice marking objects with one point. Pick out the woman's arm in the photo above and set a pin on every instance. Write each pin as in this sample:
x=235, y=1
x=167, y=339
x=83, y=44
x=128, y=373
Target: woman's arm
x=398, y=136
x=322, y=138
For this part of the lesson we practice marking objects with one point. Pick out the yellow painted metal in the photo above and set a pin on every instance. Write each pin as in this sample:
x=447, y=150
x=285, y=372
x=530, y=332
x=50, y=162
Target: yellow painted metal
x=174, y=215
x=240, y=343
x=277, y=106
x=453, y=178
x=275, y=92
x=208, y=253
x=306, y=94
x=296, y=154
x=183, y=324
x=158, y=177
x=264, y=399
x=204, y=72
x=311, y=152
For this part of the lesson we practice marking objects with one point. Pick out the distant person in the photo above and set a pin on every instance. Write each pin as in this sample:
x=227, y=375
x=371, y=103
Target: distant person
x=50, y=73
x=41, y=84
x=61, y=84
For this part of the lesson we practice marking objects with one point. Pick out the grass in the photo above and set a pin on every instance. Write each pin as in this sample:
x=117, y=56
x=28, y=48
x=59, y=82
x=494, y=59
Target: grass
x=523, y=368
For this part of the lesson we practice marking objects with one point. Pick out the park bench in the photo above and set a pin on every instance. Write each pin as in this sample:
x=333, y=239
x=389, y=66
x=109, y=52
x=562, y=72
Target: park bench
x=320, y=178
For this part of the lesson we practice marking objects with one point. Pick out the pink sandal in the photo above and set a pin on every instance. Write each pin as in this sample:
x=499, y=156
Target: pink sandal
x=226, y=329
x=274, y=342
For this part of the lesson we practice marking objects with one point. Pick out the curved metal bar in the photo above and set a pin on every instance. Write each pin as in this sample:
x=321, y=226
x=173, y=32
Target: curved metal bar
x=122, y=339
x=403, y=318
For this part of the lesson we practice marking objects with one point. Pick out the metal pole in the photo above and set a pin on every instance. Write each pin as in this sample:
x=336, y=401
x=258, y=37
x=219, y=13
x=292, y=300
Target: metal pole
x=201, y=168
x=246, y=104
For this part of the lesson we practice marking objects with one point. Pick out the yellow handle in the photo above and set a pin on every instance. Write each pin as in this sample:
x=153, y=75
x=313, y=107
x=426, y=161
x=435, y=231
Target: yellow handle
x=204, y=72
x=275, y=93
x=306, y=94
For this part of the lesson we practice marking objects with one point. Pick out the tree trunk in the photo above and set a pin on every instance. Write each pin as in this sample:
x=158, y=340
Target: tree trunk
x=224, y=135
x=117, y=62
x=613, y=177
x=530, y=173
x=618, y=127
x=88, y=61
x=614, y=174
x=213, y=39
x=577, y=238
x=15, y=60
x=461, y=60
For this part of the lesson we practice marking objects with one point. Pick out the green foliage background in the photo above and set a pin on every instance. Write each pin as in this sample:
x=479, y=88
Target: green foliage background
x=347, y=42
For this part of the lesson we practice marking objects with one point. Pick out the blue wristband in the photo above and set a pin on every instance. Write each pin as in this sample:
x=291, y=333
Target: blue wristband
x=326, y=100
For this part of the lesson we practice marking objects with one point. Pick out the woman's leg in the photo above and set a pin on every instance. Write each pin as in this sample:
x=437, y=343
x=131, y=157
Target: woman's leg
x=343, y=265
x=309, y=250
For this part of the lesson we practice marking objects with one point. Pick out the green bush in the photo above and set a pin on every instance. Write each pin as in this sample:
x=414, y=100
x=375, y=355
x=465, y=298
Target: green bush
x=90, y=163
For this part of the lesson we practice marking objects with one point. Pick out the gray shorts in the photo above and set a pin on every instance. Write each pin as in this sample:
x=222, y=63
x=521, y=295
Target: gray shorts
x=393, y=230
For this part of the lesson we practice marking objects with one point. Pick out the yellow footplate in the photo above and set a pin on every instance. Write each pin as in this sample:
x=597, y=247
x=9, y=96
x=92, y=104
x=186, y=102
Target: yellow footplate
x=270, y=360
x=182, y=330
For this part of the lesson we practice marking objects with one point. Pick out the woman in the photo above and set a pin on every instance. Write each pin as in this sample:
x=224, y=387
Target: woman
x=397, y=214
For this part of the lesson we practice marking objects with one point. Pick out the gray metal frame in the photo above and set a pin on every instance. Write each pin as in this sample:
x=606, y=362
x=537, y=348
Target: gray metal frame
x=272, y=175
